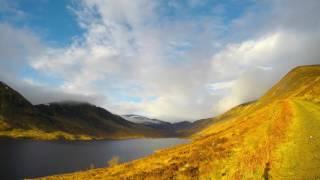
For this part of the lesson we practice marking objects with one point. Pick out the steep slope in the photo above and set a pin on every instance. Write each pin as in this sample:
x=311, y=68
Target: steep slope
x=276, y=137
x=12, y=101
x=301, y=82
x=69, y=120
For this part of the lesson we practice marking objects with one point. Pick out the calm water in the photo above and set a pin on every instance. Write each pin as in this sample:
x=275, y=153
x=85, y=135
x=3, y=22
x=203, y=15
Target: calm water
x=26, y=158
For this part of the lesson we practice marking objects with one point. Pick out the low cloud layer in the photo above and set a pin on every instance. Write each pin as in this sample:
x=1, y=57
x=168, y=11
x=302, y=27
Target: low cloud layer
x=137, y=57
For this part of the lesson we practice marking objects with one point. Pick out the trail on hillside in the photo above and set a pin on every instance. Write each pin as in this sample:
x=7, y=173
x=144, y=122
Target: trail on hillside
x=299, y=156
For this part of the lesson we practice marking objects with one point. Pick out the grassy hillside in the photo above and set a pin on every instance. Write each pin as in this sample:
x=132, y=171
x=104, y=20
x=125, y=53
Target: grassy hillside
x=276, y=137
x=301, y=82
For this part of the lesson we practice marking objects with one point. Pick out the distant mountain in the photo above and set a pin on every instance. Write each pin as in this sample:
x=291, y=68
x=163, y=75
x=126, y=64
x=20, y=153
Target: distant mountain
x=179, y=129
x=275, y=137
x=142, y=119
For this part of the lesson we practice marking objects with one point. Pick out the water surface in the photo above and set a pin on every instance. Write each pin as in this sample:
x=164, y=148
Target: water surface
x=27, y=158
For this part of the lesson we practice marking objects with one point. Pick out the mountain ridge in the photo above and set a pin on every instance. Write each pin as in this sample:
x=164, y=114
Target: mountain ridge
x=63, y=120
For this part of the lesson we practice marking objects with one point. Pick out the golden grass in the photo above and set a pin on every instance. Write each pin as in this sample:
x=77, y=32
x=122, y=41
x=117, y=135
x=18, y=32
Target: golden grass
x=299, y=157
x=41, y=135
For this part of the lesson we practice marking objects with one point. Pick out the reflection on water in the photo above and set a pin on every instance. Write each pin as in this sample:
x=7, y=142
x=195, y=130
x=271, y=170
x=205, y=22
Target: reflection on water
x=26, y=158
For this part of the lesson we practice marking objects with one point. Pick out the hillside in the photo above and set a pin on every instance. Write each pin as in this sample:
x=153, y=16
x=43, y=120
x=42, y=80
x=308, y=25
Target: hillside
x=276, y=137
x=67, y=120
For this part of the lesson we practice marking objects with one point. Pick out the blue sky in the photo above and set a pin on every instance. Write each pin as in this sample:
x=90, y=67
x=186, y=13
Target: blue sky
x=54, y=21
x=163, y=59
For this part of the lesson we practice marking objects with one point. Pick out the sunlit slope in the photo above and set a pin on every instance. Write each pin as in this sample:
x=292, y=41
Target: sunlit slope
x=276, y=137
x=302, y=82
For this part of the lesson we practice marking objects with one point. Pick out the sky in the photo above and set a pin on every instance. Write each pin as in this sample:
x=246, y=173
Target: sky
x=173, y=60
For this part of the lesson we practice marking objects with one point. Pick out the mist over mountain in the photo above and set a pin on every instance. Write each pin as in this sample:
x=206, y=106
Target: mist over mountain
x=142, y=120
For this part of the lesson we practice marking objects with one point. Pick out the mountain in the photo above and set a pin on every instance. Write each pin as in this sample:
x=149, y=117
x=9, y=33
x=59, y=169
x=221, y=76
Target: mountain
x=275, y=137
x=16, y=113
x=94, y=121
x=142, y=120
x=65, y=120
